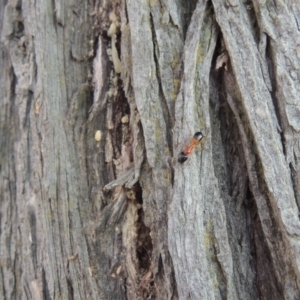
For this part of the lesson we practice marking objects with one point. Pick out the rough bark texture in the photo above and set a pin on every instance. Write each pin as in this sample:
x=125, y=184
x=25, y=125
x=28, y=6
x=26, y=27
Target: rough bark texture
x=98, y=98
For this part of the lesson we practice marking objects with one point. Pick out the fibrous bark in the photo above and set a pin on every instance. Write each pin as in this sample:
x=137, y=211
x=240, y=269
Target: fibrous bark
x=97, y=101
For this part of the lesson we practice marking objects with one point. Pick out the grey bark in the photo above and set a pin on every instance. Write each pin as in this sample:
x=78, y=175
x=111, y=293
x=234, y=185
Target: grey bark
x=97, y=101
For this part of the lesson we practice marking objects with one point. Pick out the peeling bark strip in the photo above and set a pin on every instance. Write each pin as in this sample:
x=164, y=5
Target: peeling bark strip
x=97, y=101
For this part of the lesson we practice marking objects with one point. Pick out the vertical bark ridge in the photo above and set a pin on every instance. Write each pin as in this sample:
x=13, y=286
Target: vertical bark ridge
x=146, y=86
x=49, y=218
x=274, y=198
x=203, y=270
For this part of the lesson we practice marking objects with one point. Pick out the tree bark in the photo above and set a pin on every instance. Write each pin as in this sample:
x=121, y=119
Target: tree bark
x=97, y=101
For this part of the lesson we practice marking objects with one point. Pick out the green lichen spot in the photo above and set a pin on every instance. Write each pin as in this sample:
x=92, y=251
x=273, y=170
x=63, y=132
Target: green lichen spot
x=158, y=132
x=152, y=2
x=175, y=61
x=208, y=235
x=200, y=54
x=176, y=87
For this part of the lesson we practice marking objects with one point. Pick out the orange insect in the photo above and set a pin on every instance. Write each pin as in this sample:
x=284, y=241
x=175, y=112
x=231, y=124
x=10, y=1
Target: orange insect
x=183, y=156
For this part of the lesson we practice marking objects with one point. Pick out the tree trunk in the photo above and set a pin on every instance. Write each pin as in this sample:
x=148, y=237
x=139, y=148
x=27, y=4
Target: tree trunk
x=98, y=98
